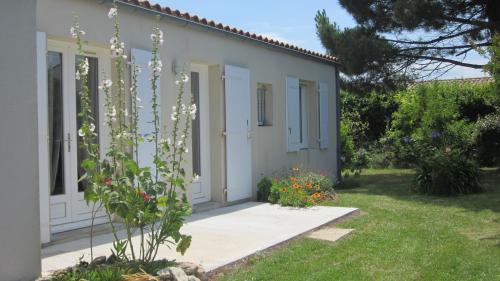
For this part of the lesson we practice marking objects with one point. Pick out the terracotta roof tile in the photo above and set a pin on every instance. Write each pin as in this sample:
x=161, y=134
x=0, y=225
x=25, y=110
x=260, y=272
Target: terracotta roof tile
x=211, y=23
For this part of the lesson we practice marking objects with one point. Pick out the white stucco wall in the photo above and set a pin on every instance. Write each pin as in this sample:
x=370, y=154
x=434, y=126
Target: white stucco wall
x=185, y=44
x=19, y=208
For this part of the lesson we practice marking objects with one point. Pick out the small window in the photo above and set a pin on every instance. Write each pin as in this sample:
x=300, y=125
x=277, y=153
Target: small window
x=264, y=104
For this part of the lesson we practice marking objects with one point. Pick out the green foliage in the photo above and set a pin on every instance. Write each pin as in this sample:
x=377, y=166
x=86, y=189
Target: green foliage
x=494, y=65
x=301, y=189
x=487, y=140
x=112, y=272
x=447, y=174
x=264, y=189
x=433, y=115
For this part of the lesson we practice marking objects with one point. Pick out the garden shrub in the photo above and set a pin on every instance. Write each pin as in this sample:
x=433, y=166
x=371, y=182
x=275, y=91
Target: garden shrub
x=487, y=140
x=439, y=114
x=264, y=189
x=447, y=173
x=301, y=189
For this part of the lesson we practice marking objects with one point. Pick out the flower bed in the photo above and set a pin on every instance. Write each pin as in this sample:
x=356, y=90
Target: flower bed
x=300, y=188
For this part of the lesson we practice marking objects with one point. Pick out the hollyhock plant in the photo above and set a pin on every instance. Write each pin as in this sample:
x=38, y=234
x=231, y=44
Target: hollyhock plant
x=150, y=199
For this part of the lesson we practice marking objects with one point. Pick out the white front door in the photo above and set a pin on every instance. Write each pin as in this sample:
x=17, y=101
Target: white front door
x=238, y=133
x=68, y=209
x=200, y=148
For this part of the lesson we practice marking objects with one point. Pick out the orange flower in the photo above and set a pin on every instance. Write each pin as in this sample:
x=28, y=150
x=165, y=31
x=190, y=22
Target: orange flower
x=293, y=179
x=283, y=189
x=316, y=195
x=309, y=185
x=296, y=186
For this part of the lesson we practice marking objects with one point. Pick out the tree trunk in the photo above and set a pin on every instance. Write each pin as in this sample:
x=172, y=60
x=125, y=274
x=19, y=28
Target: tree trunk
x=493, y=13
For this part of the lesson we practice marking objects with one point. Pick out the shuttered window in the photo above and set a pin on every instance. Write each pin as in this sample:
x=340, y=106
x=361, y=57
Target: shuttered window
x=293, y=113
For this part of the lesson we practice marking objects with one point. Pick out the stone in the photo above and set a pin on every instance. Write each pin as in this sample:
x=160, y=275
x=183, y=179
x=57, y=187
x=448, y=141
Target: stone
x=193, y=278
x=98, y=261
x=178, y=274
x=201, y=274
x=164, y=274
x=189, y=267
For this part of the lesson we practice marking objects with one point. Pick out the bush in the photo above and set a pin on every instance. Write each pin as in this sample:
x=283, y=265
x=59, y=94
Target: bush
x=301, y=189
x=264, y=189
x=487, y=140
x=447, y=174
x=441, y=115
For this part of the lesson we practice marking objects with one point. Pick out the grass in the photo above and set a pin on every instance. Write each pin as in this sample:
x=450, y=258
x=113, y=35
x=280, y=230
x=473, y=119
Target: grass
x=399, y=235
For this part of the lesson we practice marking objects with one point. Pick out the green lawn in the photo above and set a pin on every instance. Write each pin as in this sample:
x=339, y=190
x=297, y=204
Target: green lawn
x=398, y=236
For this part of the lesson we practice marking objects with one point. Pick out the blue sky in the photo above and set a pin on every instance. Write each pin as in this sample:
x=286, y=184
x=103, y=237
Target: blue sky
x=291, y=21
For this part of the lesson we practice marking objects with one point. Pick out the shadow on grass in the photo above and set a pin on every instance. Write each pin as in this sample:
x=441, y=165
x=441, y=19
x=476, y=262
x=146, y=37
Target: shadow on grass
x=397, y=184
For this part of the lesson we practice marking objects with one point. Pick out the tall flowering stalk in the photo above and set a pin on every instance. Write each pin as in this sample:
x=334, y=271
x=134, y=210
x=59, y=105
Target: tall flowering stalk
x=142, y=198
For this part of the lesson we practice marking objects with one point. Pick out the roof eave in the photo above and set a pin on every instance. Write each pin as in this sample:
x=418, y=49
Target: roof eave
x=201, y=26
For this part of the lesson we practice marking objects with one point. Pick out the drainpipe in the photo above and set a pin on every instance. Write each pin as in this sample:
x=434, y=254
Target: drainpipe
x=337, y=122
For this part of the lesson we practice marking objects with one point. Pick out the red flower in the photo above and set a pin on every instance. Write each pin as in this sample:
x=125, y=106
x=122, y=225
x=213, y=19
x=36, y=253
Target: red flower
x=108, y=181
x=145, y=196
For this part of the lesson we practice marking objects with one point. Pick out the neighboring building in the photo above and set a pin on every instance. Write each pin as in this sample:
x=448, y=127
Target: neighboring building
x=264, y=106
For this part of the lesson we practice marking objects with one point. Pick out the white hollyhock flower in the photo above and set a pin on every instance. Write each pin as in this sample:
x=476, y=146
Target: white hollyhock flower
x=186, y=150
x=92, y=127
x=125, y=112
x=185, y=78
x=192, y=111
x=106, y=84
x=173, y=116
x=179, y=143
x=73, y=32
x=169, y=141
x=77, y=75
x=113, y=111
x=112, y=13
x=81, y=133
x=177, y=82
x=138, y=99
x=85, y=67
x=183, y=109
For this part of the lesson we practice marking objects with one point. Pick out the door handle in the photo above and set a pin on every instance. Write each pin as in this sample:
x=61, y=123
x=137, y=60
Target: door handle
x=69, y=142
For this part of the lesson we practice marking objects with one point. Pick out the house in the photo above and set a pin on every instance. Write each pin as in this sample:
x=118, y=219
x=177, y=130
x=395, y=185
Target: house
x=264, y=106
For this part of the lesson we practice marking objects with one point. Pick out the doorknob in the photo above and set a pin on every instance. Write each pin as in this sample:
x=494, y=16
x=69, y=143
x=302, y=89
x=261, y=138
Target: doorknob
x=69, y=142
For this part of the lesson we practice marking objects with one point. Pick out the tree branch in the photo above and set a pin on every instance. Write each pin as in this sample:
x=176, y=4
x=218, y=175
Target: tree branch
x=435, y=40
x=448, y=47
x=475, y=66
x=483, y=24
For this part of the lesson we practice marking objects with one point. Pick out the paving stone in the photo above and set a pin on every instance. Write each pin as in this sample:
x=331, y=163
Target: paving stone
x=331, y=234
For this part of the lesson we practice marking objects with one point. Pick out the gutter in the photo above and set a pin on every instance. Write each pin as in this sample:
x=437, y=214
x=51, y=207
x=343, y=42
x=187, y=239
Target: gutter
x=200, y=26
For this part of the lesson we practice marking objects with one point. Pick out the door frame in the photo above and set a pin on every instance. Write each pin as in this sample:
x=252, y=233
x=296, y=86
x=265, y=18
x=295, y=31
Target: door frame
x=69, y=51
x=204, y=116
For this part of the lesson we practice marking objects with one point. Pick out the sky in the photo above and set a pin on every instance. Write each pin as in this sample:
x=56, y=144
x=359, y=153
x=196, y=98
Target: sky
x=286, y=20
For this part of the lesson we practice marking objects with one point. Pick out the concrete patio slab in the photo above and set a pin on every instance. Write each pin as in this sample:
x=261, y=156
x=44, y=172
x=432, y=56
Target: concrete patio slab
x=331, y=234
x=220, y=237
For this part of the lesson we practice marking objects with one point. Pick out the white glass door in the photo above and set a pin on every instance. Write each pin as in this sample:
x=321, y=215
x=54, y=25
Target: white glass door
x=200, y=146
x=68, y=209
